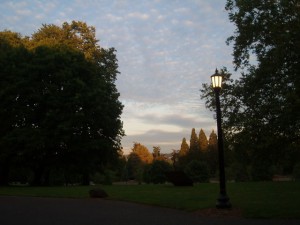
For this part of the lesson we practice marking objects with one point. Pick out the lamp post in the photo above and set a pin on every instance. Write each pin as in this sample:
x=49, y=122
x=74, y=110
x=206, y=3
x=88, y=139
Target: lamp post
x=223, y=200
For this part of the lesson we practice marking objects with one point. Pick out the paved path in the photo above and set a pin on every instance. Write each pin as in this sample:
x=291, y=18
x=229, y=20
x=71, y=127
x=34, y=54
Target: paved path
x=53, y=211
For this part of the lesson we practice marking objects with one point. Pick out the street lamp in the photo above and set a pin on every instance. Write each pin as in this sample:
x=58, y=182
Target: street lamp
x=223, y=200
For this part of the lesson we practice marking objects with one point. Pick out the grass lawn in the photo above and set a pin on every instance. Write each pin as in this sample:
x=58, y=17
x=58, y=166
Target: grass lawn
x=277, y=200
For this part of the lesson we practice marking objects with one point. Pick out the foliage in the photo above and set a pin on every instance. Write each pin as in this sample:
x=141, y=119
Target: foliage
x=175, y=158
x=182, y=156
x=107, y=177
x=142, y=152
x=205, y=151
x=213, y=140
x=203, y=142
x=212, y=154
x=134, y=163
x=260, y=109
x=59, y=103
x=156, y=152
x=156, y=172
x=240, y=172
x=184, y=148
x=198, y=171
x=194, y=142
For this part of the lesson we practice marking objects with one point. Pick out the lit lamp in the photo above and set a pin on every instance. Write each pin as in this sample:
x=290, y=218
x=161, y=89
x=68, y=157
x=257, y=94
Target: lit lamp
x=223, y=200
x=216, y=80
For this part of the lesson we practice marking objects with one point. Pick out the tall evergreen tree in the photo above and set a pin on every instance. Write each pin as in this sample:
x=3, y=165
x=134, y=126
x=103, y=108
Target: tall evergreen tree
x=203, y=142
x=184, y=149
x=213, y=140
x=194, y=142
x=212, y=153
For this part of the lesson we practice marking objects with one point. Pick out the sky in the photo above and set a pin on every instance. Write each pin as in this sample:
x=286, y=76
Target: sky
x=166, y=50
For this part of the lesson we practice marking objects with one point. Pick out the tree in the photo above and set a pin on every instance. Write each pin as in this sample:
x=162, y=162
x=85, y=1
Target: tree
x=203, y=142
x=197, y=171
x=212, y=153
x=62, y=100
x=184, y=149
x=143, y=153
x=12, y=39
x=156, y=152
x=134, y=165
x=213, y=140
x=13, y=57
x=156, y=172
x=271, y=97
x=77, y=35
x=182, y=155
x=194, y=142
x=175, y=158
x=139, y=160
x=261, y=107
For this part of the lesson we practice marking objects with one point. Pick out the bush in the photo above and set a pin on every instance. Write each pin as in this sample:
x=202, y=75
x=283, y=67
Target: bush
x=179, y=178
x=156, y=172
x=56, y=177
x=19, y=175
x=198, y=171
x=239, y=172
x=106, y=178
x=261, y=171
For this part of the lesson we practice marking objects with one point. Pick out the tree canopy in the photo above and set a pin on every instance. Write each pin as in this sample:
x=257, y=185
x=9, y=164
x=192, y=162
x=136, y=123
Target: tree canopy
x=59, y=103
x=203, y=142
x=194, y=142
x=143, y=153
x=261, y=109
x=184, y=148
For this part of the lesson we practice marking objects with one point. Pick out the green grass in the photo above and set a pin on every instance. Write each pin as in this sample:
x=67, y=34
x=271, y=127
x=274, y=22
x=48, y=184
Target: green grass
x=55, y=192
x=276, y=200
x=267, y=199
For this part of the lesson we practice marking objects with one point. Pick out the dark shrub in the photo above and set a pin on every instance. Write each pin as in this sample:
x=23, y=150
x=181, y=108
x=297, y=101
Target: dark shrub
x=198, y=171
x=261, y=171
x=179, y=178
x=156, y=173
x=239, y=172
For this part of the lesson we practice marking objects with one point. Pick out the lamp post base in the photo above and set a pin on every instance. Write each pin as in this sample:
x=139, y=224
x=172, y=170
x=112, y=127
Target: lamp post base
x=223, y=202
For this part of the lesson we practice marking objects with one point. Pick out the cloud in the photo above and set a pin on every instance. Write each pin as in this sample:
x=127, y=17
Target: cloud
x=113, y=18
x=138, y=15
x=23, y=12
x=189, y=23
x=182, y=10
x=177, y=120
x=16, y=5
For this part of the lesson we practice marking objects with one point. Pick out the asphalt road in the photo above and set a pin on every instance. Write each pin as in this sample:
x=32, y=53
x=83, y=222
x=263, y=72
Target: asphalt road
x=53, y=211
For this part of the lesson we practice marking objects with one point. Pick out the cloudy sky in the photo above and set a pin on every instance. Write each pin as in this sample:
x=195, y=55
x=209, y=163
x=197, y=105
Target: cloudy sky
x=166, y=49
